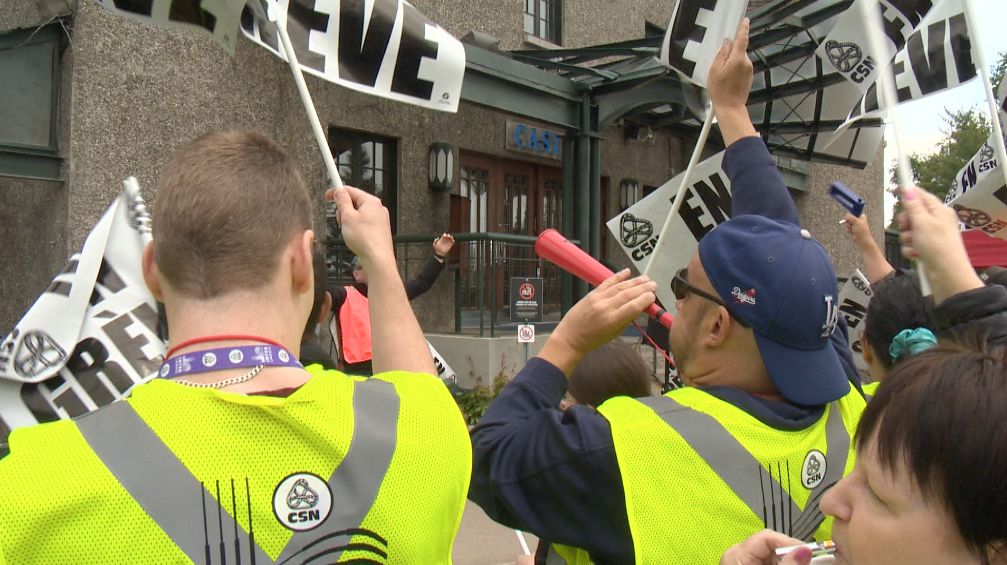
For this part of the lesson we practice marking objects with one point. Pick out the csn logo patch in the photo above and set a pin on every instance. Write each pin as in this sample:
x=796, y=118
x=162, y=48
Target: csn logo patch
x=813, y=470
x=302, y=501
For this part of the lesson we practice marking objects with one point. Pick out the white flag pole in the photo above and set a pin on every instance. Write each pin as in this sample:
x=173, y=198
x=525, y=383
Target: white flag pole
x=274, y=14
x=887, y=102
x=980, y=59
x=697, y=152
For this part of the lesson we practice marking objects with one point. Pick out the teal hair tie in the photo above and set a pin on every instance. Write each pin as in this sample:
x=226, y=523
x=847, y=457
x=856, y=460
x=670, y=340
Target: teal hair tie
x=911, y=342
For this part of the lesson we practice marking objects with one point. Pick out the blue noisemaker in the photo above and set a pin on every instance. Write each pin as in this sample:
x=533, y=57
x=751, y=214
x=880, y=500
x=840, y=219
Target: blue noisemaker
x=849, y=199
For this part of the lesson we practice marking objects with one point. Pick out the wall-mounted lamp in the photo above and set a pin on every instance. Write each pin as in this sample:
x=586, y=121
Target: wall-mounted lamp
x=442, y=167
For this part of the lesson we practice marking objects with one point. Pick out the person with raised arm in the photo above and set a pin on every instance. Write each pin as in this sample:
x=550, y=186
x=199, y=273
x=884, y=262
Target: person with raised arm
x=237, y=454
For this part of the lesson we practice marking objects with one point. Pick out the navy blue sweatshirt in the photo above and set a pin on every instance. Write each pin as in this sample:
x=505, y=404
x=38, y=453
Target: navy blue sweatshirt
x=555, y=473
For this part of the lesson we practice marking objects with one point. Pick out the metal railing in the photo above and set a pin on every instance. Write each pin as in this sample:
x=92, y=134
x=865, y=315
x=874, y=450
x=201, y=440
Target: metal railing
x=481, y=265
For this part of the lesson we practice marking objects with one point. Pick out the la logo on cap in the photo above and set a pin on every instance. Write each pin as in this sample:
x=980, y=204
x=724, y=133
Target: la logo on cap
x=831, y=316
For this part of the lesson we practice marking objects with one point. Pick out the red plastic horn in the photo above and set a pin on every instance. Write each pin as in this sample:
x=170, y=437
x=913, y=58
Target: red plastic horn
x=553, y=247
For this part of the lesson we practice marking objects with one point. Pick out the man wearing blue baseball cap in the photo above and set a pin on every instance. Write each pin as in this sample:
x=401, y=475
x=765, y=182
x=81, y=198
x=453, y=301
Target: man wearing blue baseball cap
x=757, y=438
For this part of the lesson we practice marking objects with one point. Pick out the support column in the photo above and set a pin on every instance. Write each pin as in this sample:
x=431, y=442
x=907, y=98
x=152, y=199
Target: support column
x=567, y=227
x=583, y=195
x=595, y=221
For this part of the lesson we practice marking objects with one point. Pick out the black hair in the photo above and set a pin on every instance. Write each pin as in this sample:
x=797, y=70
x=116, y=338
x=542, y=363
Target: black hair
x=614, y=369
x=897, y=305
x=940, y=414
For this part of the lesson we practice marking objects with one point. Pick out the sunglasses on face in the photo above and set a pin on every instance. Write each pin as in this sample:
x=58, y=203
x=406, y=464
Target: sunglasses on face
x=681, y=287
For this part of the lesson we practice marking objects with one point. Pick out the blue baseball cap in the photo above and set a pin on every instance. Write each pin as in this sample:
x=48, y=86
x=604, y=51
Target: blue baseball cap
x=780, y=281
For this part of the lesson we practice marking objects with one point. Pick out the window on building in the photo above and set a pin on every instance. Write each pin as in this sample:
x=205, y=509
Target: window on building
x=543, y=19
x=368, y=162
x=29, y=102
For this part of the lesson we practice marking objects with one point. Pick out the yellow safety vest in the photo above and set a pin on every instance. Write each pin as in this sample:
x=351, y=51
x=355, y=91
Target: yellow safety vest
x=701, y=474
x=566, y=555
x=374, y=470
x=871, y=389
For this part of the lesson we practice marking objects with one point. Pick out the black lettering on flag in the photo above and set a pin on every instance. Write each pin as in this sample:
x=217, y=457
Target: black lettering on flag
x=139, y=7
x=267, y=30
x=35, y=399
x=108, y=283
x=1001, y=194
x=929, y=62
x=693, y=216
x=132, y=347
x=63, y=287
x=853, y=312
x=716, y=199
x=969, y=176
x=360, y=57
x=192, y=12
x=301, y=19
x=4, y=432
x=88, y=360
x=912, y=11
x=961, y=48
x=413, y=48
x=685, y=29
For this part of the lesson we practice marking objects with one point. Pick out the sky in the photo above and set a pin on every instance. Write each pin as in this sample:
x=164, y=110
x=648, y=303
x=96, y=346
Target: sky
x=920, y=121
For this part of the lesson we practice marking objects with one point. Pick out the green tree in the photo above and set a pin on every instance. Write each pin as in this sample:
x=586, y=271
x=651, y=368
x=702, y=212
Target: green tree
x=964, y=133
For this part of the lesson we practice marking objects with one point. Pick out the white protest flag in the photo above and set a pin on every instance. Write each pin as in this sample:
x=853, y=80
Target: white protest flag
x=696, y=32
x=978, y=193
x=937, y=57
x=853, y=300
x=380, y=47
x=845, y=49
x=92, y=335
x=976, y=173
x=706, y=204
x=218, y=18
x=796, y=101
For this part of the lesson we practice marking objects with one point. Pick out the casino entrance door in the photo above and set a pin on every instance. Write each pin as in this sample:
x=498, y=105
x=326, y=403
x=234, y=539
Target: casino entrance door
x=501, y=198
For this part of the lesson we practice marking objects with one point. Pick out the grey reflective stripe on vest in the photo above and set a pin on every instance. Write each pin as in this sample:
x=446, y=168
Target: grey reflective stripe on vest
x=744, y=474
x=152, y=474
x=355, y=483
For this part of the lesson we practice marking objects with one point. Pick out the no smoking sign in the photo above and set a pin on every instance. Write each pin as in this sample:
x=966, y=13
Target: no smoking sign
x=526, y=333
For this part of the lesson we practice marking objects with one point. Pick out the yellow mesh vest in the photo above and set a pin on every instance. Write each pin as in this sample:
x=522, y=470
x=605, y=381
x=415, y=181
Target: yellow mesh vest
x=63, y=505
x=871, y=389
x=566, y=555
x=701, y=474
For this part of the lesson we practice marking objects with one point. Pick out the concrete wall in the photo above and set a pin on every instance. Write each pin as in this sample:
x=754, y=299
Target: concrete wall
x=479, y=360
x=821, y=214
x=33, y=213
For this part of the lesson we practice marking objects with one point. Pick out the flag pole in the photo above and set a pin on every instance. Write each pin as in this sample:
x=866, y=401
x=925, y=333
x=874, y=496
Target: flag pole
x=697, y=152
x=662, y=239
x=991, y=99
x=887, y=102
x=273, y=13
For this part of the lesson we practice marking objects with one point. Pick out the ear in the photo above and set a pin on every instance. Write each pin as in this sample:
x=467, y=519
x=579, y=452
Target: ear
x=151, y=275
x=323, y=312
x=301, y=266
x=716, y=326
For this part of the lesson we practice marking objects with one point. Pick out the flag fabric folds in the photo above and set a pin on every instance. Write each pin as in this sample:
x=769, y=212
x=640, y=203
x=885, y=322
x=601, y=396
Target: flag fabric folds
x=92, y=334
x=381, y=47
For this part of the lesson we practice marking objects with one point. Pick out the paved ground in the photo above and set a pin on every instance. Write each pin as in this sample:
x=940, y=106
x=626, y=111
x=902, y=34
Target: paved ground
x=482, y=541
